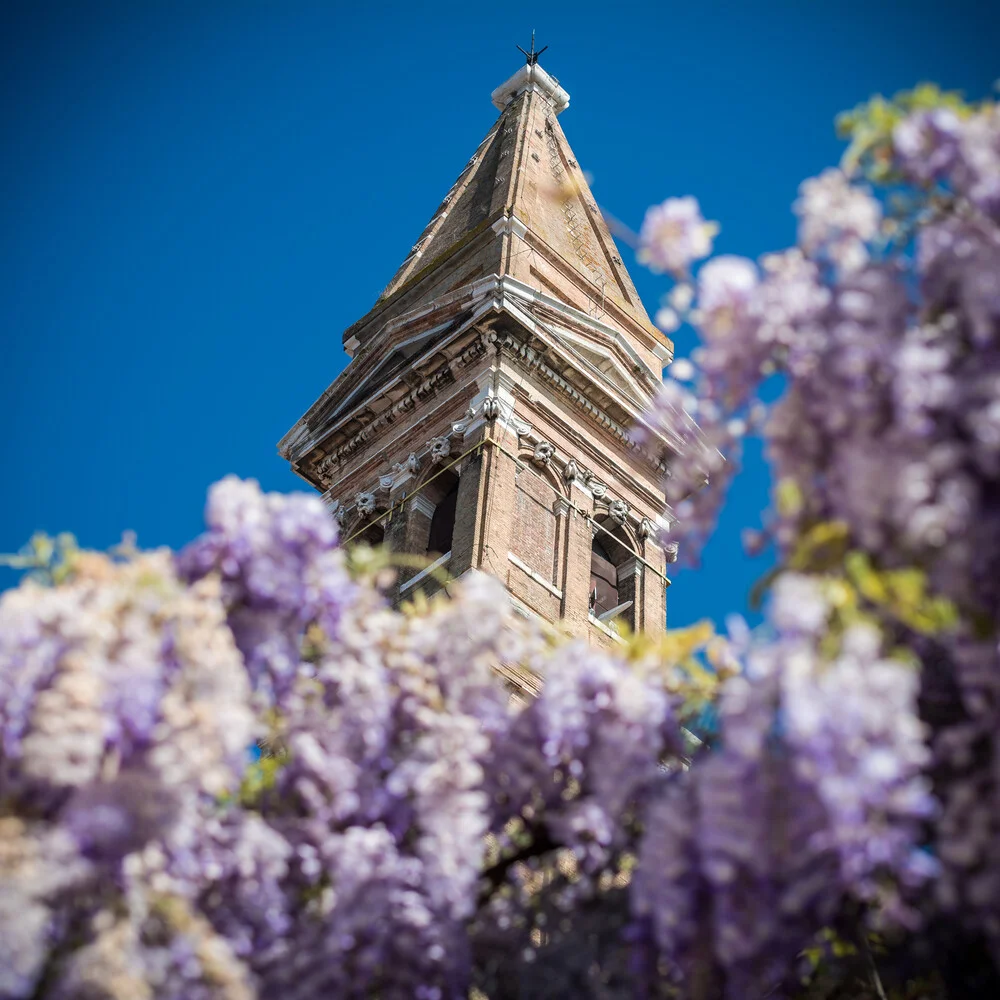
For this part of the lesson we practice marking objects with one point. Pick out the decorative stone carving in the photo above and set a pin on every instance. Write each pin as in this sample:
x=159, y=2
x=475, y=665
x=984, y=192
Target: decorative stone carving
x=385, y=482
x=491, y=407
x=543, y=453
x=618, y=511
x=598, y=489
x=365, y=503
x=670, y=549
x=337, y=511
x=646, y=529
x=411, y=465
x=326, y=465
x=461, y=426
x=571, y=471
x=440, y=448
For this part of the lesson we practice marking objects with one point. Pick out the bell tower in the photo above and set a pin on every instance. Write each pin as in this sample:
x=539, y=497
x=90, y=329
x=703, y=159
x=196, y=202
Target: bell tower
x=484, y=417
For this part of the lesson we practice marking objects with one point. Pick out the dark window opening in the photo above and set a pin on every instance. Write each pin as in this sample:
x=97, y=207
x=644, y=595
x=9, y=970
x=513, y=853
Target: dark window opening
x=373, y=535
x=603, y=581
x=443, y=523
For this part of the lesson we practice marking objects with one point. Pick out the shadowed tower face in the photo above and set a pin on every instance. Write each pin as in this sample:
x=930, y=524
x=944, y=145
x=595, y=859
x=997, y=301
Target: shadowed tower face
x=484, y=418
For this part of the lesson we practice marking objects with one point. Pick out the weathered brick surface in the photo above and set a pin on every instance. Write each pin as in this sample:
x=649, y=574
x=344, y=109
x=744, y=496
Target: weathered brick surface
x=485, y=513
x=534, y=534
x=544, y=603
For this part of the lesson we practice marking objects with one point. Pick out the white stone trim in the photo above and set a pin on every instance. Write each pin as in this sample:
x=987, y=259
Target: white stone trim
x=604, y=628
x=424, y=573
x=631, y=567
x=422, y=504
x=531, y=77
x=508, y=225
x=537, y=577
x=521, y=290
x=297, y=442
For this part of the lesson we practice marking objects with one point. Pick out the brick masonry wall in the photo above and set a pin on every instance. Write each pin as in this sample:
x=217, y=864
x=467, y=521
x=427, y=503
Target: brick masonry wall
x=534, y=534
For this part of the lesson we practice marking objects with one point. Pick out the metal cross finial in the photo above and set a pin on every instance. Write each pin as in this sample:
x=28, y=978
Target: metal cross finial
x=532, y=56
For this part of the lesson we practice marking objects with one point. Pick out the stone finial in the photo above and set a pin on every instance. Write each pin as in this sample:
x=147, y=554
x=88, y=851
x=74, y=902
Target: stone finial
x=670, y=550
x=646, y=529
x=365, y=503
x=491, y=407
x=440, y=448
x=571, y=471
x=531, y=76
x=543, y=453
x=618, y=511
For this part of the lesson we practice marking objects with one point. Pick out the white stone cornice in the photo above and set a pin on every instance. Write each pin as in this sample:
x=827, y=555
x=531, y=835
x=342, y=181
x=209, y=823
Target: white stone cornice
x=526, y=293
x=531, y=77
x=423, y=504
x=424, y=573
x=631, y=567
x=605, y=629
x=537, y=577
x=561, y=507
x=510, y=225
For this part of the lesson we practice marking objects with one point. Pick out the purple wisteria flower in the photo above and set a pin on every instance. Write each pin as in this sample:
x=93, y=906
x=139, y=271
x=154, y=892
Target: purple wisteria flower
x=837, y=218
x=674, y=235
x=926, y=144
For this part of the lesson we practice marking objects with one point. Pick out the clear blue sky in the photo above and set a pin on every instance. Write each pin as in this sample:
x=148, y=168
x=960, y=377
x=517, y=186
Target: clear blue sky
x=199, y=198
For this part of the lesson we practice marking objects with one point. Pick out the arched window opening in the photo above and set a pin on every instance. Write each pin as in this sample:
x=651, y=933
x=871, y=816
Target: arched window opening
x=603, y=580
x=443, y=522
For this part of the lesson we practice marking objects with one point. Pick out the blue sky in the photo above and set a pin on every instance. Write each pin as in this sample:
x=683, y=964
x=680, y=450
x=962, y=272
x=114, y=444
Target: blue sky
x=199, y=198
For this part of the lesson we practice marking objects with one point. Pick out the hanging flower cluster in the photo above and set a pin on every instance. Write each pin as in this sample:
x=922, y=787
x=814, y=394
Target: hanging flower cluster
x=412, y=832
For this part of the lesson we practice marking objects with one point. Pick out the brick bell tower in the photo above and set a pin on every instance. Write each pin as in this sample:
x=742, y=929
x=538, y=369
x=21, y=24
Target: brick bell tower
x=484, y=417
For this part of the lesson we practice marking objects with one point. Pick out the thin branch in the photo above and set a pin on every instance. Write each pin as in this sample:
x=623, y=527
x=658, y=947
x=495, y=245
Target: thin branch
x=541, y=843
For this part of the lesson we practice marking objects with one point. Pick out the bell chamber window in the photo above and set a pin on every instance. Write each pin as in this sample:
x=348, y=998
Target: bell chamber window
x=603, y=580
x=443, y=522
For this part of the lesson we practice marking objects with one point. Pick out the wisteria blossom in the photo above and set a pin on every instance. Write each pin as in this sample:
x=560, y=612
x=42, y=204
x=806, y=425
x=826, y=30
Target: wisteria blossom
x=675, y=818
x=674, y=235
x=837, y=218
x=884, y=449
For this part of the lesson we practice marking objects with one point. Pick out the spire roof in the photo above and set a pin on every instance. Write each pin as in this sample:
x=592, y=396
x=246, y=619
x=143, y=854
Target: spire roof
x=523, y=190
x=517, y=253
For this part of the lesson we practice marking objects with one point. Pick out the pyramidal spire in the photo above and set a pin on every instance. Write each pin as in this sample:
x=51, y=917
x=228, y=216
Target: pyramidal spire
x=524, y=183
x=518, y=239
